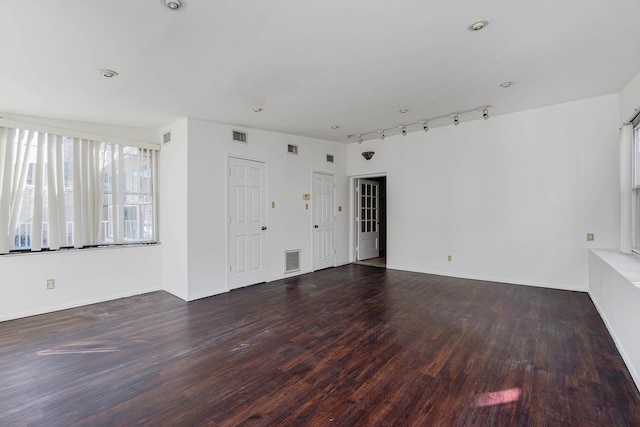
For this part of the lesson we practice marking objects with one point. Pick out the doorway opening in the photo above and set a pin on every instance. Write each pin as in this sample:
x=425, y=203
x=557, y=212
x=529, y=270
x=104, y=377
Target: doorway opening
x=370, y=207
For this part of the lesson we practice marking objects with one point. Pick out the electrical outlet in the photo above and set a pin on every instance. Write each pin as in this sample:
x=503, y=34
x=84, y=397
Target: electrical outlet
x=590, y=237
x=51, y=283
x=449, y=258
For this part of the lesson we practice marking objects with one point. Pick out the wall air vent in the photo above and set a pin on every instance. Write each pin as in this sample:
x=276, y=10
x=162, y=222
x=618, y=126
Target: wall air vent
x=292, y=261
x=329, y=158
x=166, y=138
x=292, y=149
x=240, y=136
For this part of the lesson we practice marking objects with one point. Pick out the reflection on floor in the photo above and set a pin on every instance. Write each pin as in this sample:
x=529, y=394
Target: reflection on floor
x=375, y=262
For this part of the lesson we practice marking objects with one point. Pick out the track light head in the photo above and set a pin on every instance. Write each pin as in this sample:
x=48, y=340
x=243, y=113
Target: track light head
x=485, y=114
x=456, y=121
x=403, y=128
x=425, y=127
x=359, y=139
x=381, y=135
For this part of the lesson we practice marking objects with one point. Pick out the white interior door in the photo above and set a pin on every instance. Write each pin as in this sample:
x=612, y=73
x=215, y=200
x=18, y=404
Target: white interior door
x=247, y=223
x=368, y=220
x=323, y=221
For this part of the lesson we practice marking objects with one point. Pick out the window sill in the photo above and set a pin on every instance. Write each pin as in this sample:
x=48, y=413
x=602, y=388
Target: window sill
x=627, y=265
x=88, y=248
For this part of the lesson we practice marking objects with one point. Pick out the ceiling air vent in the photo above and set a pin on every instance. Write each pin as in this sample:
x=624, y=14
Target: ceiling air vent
x=292, y=261
x=329, y=158
x=240, y=136
x=292, y=149
x=166, y=138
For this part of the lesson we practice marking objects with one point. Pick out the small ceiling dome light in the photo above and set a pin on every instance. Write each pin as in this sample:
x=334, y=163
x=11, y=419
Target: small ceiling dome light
x=173, y=4
x=478, y=25
x=108, y=73
x=256, y=109
x=425, y=127
x=456, y=121
x=404, y=110
x=506, y=84
x=485, y=114
x=335, y=127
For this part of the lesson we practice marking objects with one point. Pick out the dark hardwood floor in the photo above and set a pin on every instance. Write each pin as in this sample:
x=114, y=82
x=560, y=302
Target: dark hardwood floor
x=353, y=345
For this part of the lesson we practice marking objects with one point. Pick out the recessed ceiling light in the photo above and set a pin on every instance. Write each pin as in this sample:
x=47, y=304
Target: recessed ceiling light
x=506, y=84
x=173, y=4
x=404, y=110
x=108, y=73
x=256, y=109
x=335, y=127
x=478, y=25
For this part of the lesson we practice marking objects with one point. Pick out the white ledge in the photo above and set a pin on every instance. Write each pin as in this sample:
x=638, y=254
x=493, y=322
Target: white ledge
x=627, y=265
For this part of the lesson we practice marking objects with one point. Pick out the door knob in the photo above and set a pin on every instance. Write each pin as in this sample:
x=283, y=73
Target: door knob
x=264, y=228
x=315, y=226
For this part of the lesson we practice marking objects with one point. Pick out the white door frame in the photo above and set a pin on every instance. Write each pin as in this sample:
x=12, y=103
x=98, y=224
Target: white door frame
x=353, y=212
x=371, y=220
x=312, y=219
x=228, y=212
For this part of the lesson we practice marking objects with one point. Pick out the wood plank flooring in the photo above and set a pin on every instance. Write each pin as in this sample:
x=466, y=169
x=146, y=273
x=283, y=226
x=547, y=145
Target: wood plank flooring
x=349, y=346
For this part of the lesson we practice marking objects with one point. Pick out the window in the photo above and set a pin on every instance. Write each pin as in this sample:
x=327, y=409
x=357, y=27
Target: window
x=58, y=191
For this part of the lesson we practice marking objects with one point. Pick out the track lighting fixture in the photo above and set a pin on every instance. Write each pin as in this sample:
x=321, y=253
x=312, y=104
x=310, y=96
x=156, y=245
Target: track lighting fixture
x=421, y=124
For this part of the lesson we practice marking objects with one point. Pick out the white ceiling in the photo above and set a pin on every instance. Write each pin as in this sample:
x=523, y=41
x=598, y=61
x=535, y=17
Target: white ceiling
x=309, y=64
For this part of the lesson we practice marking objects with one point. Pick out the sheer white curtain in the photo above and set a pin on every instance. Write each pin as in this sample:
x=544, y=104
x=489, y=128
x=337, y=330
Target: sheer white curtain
x=626, y=180
x=55, y=193
x=33, y=193
x=87, y=194
x=15, y=147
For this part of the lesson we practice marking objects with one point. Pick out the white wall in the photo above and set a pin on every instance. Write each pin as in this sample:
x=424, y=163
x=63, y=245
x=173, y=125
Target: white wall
x=288, y=178
x=172, y=206
x=510, y=198
x=630, y=99
x=82, y=277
